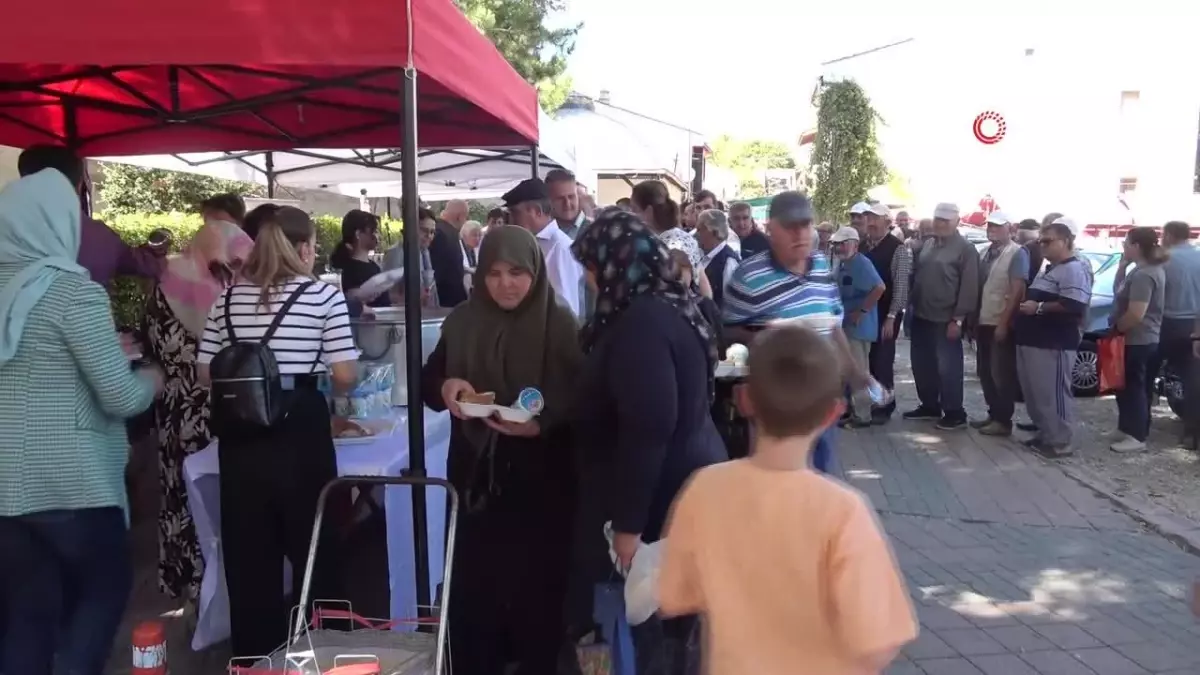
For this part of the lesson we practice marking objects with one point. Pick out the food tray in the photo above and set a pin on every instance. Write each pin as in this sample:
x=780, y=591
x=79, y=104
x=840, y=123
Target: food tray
x=383, y=427
x=506, y=413
x=727, y=370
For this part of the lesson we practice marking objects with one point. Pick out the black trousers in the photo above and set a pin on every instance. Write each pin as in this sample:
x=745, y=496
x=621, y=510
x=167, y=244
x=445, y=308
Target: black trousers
x=270, y=481
x=1133, y=400
x=1175, y=350
x=996, y=364
x=882, y=360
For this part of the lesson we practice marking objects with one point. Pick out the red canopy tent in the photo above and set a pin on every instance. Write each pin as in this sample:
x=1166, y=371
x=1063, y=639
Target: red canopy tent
x=121, y=77
x=127, y=77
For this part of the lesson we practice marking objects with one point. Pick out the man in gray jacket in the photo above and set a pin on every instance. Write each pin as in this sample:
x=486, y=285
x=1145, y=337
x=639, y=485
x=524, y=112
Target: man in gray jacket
x=945, y=291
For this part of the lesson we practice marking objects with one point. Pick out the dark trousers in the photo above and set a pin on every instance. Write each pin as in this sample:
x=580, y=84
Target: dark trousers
x=882, y=360
x=996, y=364
x=667, y=646
x=270, y=481
x=937, y=364
x=1175, y=350
x=1133, y=400
x=65, y=577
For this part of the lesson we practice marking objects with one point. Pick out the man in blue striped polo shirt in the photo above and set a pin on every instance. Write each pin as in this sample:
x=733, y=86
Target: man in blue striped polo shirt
x=791, y=282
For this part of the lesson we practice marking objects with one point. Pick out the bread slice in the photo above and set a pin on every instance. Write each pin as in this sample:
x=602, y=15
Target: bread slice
x=482, y=398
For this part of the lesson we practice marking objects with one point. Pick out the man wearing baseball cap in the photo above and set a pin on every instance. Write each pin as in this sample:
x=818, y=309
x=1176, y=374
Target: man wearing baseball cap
x=1003, y=270
x=893, y=263
x=860, y=288
x=945, y=292
x=858, y=214
x=790, y=283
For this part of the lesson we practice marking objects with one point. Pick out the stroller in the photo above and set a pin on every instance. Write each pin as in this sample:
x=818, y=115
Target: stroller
x=370, y=646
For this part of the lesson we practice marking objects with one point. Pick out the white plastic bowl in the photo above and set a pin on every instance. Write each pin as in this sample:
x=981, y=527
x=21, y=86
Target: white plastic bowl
x=516, y=415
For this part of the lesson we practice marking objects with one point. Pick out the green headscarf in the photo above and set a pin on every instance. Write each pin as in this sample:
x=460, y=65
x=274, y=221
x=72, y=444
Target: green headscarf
x=504, y=351
x=39, y=231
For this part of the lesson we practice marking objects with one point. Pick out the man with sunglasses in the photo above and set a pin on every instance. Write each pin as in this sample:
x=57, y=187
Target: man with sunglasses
x=1047, y=332
x=791, y=282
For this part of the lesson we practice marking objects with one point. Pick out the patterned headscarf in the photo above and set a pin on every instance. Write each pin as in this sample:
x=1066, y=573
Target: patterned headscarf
x=629, y=260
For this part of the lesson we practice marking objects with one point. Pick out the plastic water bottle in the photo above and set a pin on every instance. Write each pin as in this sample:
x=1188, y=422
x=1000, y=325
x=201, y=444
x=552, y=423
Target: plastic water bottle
x=879, y=395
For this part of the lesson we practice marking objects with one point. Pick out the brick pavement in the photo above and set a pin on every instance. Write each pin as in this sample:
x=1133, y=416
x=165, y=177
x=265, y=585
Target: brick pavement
x=1015, y=568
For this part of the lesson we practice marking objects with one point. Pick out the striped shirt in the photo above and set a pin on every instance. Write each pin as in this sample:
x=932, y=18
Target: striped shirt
x=761, y=293
x=315, y=332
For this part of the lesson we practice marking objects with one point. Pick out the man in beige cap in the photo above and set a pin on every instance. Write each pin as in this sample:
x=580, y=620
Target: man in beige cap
x=824, y=231
x=945, y=291
x=893, y=264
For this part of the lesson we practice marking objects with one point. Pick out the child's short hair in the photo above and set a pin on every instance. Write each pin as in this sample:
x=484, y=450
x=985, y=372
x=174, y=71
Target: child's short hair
x=794, y=378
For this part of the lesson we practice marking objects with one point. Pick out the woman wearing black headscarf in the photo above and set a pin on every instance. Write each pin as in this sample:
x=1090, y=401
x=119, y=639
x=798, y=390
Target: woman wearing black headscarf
x=515, y=481
x=645, y=427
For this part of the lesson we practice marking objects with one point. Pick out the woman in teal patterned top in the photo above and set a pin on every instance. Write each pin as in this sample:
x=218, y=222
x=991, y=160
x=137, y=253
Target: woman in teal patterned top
x=65, y=390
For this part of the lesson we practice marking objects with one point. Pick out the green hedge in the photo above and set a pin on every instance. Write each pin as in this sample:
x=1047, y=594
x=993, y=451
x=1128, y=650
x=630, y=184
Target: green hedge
x=129, y=295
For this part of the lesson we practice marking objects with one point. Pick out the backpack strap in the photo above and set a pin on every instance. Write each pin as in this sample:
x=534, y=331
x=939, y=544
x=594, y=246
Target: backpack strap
x=228, y=321
x=287, y=304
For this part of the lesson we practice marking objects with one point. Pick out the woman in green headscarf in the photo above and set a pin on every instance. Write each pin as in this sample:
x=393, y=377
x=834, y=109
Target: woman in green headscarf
x=515, y=481
x=65, y=390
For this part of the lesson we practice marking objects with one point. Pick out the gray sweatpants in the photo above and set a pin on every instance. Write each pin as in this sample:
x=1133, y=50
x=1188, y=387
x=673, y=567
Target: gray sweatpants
x=861, y=400
x=1045, y=376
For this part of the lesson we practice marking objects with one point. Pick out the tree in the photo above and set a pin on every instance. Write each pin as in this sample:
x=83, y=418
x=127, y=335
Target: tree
x=845, y=157
x=125, y=188
x=748, y=159
x=538, y=53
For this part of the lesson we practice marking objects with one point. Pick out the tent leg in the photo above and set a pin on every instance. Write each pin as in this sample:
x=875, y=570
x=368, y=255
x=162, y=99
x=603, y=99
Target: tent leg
x=535, y=161
x=270, y=161
x=410, y=203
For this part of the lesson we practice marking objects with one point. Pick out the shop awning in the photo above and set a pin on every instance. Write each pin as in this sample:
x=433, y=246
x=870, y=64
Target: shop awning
x=121, y=77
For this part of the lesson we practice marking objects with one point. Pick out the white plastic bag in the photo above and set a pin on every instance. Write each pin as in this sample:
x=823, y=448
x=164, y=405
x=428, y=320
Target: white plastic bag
x=641, y=579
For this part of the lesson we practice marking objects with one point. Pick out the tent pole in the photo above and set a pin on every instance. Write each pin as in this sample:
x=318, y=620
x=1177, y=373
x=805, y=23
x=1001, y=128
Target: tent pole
x=409, y=205
x=270, y=175
x=535, y=160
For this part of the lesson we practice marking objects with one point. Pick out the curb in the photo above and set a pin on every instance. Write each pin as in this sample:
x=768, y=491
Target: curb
x=1182, y=532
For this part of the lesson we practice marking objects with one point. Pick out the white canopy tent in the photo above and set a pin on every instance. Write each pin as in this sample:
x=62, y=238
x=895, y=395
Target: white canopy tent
x=443, y=173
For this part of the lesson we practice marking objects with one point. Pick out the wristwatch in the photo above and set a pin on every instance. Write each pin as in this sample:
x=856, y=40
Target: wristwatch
x=1040, y=308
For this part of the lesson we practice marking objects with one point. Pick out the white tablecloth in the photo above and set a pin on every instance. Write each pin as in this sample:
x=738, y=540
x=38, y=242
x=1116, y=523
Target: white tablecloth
x=386, y=456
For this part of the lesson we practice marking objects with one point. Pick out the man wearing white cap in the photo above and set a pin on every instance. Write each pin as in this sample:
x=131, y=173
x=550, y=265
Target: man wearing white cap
x=1003, y=271
x=861, y=288
x=945, y=291
x=858, y=214
x=893, y=263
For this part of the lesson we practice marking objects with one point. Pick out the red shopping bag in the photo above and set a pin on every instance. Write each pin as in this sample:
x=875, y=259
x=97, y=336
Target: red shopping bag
x=1110, y=356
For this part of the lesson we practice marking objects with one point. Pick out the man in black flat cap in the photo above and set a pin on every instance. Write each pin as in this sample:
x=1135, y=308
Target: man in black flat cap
x=529, y=205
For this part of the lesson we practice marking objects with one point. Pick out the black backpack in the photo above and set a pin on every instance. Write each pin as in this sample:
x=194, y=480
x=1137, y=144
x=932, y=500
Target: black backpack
x=247, y=389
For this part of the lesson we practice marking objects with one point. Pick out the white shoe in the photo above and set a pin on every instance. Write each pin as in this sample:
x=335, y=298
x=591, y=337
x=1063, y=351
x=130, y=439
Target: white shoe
x=1116, y=436
x=1128, y=445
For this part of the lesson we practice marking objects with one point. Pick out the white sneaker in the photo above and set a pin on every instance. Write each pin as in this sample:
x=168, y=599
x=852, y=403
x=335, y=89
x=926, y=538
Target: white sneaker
x=1115, y=436
x=1128, y=445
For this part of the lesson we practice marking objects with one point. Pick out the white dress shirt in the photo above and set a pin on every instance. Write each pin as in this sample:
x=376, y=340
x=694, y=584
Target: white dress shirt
x=566, y=274
x=730, y=264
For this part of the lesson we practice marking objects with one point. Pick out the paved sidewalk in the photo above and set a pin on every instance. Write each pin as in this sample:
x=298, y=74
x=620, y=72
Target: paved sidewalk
x=1017, y=569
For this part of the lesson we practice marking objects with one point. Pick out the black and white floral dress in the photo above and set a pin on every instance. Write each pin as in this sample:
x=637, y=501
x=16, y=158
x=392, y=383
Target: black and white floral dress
x=182, y=417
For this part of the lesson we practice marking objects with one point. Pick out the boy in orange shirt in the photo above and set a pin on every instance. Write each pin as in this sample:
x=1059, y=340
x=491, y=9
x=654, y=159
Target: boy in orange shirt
x=789, y=568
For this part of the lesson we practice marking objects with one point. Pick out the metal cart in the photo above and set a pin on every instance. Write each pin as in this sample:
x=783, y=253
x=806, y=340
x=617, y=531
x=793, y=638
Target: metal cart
x=370, y=646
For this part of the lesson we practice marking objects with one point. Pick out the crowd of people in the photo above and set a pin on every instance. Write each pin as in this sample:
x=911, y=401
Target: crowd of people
x=620, y=317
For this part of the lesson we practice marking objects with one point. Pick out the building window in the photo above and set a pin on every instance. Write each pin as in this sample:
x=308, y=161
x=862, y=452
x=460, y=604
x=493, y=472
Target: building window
x=1129, y=134
x=1196, y=169
x=1127, y=185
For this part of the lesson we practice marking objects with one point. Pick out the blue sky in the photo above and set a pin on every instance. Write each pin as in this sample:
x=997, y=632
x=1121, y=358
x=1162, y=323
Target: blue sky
x=748, y=67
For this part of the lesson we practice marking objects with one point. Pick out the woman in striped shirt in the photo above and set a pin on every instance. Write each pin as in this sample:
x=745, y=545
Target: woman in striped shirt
x=270, y=479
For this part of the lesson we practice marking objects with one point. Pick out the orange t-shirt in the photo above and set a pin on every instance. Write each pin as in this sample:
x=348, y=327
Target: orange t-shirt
x=790, y=569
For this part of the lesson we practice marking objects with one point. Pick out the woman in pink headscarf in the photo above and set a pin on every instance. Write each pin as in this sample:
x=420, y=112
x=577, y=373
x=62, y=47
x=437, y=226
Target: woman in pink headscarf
x=174, y=323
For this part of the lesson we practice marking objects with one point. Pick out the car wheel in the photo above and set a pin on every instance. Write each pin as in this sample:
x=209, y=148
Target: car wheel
x=1085, y=376
x=1172, y=388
